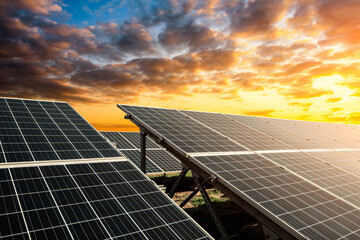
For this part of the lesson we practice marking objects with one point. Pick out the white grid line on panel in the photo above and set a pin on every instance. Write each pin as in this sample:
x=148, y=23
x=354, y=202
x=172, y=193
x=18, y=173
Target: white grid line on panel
x=41, y=129
x=314, y=184
x=57, y=205
x=309, y=226
x=88, y=202
x=79, y=129
x=126, y=212
x=127, y=139
x=27, y=145
x=215, y=131
x=16, y=193
x=61, y=162
x=345, y=236
x=60, y=130
x=176, y=205
x=147, y=204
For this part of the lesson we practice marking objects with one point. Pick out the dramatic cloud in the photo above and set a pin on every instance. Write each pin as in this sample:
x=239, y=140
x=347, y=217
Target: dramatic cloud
x=300, y=56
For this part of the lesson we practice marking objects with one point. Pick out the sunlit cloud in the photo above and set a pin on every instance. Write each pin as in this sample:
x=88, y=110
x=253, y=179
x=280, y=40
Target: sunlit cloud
x=279, y=58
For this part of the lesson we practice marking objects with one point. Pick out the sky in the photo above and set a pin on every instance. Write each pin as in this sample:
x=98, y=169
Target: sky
x=274, y=58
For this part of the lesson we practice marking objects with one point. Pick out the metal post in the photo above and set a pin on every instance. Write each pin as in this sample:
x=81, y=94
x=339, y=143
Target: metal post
x=212, y=211
x=143, y=151
x=184, y=170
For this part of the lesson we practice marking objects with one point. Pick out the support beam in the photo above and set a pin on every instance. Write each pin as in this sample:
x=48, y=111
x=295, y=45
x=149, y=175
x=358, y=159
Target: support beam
x=280, y=229
x=269, y=235
x=143, y=151
x=212, y=211
x=184, y=170
x=189, y=197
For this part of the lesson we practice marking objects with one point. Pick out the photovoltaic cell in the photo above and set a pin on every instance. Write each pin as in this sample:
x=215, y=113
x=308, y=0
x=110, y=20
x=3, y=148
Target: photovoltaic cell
x=158, y=159
x=87, y=201
x=37, y=131
x=164, y=160
x=242, y=134
x=312, y=211
x=184, y=132
x=321, y=170
x=309, y=130
x=75, y=199
x=277, y=132
x=134, y=156
x=121, y=142
x=302, y=175
x=134, y=138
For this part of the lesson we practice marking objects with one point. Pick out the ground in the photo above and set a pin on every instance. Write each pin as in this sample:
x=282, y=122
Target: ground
x=238, y=223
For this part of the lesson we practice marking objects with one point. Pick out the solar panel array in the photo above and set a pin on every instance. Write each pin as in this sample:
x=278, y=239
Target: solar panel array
x=158, y=160
x=302, y=175
x=60, y=179
x=38, y=130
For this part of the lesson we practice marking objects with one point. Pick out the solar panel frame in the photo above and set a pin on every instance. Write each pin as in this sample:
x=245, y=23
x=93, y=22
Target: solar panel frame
x=42, y=199
x=234, y=129
x=214, y=144
x=42, y=138
x=98, y=176
x=190, y=159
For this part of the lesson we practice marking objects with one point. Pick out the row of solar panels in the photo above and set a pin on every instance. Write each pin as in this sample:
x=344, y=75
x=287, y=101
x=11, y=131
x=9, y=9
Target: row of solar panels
x=60, y=179
x=158, y=160
x=195, y=132
x=304, y=176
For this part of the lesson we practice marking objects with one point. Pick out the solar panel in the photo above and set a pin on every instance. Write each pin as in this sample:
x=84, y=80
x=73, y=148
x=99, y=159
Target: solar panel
x=164, y=160
x=242, y=134
x=120, y=141
x=302, y=205
x=277, y=132
x=309, y=130
x=297, y=174
x=134, y=138
x=187, y=134
x=89, y=201
x=158, y=159
x=60, y=179
x=134, y=156
x=38, y=130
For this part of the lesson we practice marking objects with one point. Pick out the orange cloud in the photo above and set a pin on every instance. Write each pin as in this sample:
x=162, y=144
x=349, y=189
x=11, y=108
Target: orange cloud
x=263, y=113
x=333, y=100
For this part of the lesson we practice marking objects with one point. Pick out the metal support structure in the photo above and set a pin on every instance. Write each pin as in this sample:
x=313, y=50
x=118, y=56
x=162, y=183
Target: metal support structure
x=184, y=170
x=212, y=211
x=189, y=197
x=282, y=231
x=269, y=235
x=143, y=151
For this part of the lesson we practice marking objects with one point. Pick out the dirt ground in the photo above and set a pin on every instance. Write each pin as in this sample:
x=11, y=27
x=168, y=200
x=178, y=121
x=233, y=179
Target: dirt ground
x=238, y=223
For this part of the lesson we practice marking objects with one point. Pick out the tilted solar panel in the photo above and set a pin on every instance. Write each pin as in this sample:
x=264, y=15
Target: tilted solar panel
x=60, y=179
x=241, y=133
x=134, y=138
x=88, y=201
x=158, y=159
x=295, y=173
x=186, y=133
x=120, y=141
x=37, y=130
x=134, y=156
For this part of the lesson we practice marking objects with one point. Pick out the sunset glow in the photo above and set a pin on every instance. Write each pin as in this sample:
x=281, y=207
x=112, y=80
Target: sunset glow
x=277, y=58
